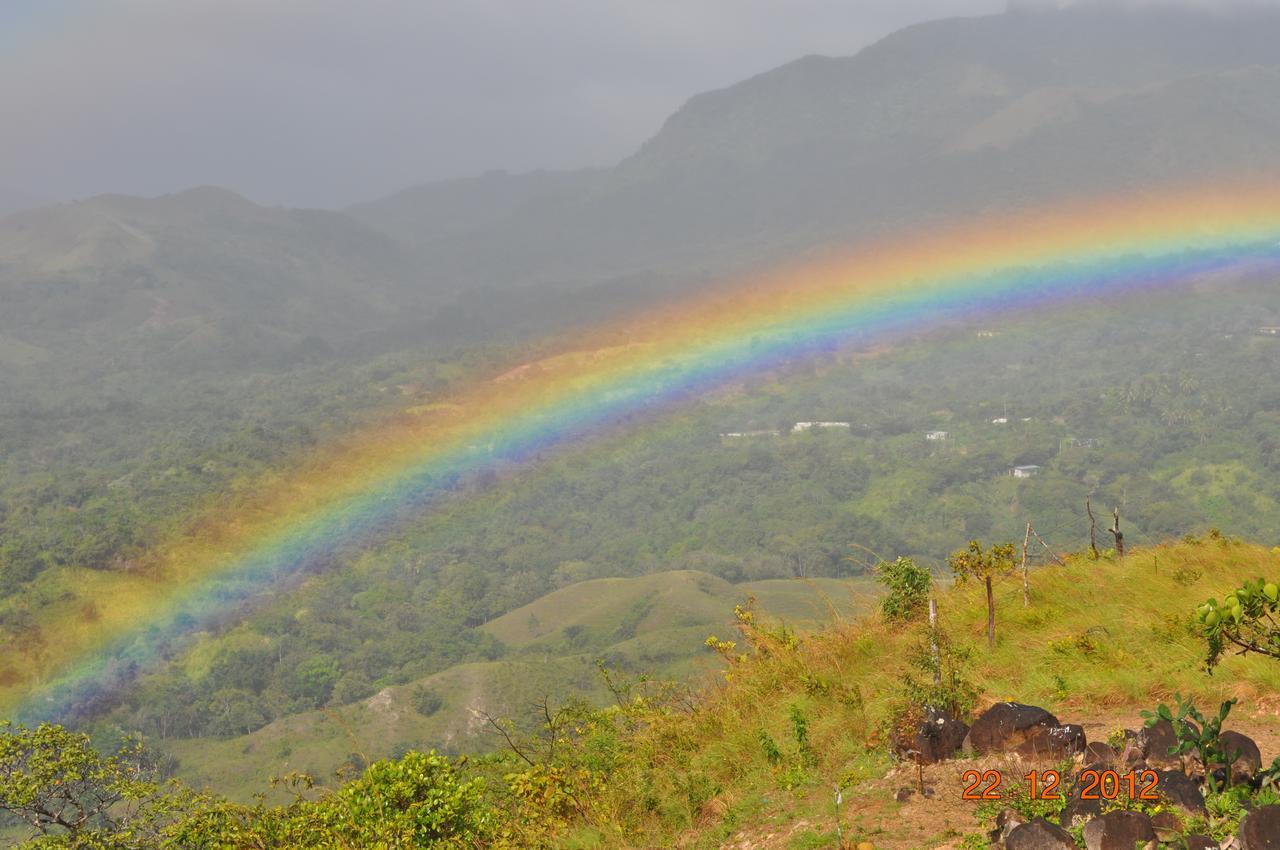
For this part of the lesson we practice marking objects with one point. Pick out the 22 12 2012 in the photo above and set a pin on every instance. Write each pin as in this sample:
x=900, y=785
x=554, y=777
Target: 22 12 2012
x=1043, y=785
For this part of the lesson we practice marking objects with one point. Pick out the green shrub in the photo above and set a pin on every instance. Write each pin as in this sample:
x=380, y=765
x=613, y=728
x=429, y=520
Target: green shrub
x=426, y=701
x=907, y=588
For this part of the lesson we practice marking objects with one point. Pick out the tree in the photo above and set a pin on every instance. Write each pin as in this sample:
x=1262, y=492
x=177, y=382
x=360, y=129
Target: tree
x=973, y=562
x=57, y=783
x=1248, y=619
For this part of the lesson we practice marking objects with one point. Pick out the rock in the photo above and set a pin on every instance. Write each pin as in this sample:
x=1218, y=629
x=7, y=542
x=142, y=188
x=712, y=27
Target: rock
x=1118, y=830
x=1005, y=725
x=1200, y=842
x=1249, y=760
x=1078, y=809
x=1167, y=825
x=1181, y=791
x=938, y=738
x=1006, y=822
x=1053, y=743
x=1156, y=741
x=1098, y=753
x=1040, y=835
x=903, y=795
x=1260, y=829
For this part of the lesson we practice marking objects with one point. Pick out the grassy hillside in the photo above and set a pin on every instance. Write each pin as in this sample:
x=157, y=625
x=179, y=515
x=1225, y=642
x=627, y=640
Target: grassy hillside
x=655, y=623
x=755, y=757
x=1100, y=641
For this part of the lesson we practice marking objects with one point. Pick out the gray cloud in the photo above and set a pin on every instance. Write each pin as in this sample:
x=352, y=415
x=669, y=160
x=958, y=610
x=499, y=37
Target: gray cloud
x=329, y=101
x=324, y=102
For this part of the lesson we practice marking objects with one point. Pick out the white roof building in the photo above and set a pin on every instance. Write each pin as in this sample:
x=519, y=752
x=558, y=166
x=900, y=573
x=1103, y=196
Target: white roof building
x=809, y=426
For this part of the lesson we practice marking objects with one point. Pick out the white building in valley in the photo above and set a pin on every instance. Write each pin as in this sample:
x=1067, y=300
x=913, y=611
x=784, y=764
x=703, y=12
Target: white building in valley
x=809, y=426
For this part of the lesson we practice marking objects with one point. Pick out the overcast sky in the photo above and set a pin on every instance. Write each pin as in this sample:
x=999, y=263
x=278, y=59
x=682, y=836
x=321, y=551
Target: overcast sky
x=326, y=102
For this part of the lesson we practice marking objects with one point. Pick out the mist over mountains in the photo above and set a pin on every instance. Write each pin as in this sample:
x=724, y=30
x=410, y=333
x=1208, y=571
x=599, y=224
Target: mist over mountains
x=945, y=119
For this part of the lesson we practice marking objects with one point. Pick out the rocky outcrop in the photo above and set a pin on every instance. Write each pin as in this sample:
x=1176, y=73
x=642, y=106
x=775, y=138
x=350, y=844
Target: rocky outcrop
x=1053, y=743
x=1040, y=835
x=1006, y=726
x=1155, y=743
x=1098, y=754
x=1119, y=830
x=1260, y=829
x=1181, y=790
x=939, y=737
x=1248, y=759
x=1030, y=733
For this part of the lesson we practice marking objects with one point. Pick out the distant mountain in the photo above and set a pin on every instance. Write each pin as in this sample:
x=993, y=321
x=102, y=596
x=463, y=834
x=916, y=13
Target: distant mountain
x=200, y=276
x=938, y=121
x=942, y=119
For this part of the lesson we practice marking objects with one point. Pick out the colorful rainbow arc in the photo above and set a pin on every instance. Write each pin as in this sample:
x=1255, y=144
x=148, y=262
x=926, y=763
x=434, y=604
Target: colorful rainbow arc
x=355, y=493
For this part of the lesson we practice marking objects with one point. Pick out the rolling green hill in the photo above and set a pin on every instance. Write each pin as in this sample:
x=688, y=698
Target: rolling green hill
x=655, y=623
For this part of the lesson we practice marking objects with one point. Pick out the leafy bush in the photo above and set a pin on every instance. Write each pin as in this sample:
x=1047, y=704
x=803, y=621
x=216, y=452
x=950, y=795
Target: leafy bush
x=1245, y=619
x=907, y=588
x=426, y=700
x=943, y=684
x=1199, y=734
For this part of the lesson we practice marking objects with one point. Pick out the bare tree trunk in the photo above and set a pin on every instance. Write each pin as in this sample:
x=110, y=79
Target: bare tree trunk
x=1026, y=585
x=1047, y=549
x=933, y=640
x=1093, y=529
x=991, y=616
x=1116, y=532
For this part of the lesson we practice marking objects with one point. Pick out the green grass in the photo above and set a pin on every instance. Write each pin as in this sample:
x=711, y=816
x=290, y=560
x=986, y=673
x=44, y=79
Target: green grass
x=656, y=623
x=1116, y=632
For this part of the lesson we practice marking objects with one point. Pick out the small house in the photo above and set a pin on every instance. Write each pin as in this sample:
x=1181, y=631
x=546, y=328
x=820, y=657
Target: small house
x=809, y=426
x=742, y=435
x=1028, y=471
x=1000, y=420
x=1269, y=330
x=936, y=436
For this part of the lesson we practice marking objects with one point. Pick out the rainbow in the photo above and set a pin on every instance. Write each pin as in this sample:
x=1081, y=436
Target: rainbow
x=355, y=492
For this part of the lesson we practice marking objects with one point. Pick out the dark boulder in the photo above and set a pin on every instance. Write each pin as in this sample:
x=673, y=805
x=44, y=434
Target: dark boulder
x=1006, y=725
x=1260, y=829
x=1200, y=842
x=1098, y=753
x=938, y=738
x=1006, y=822
x=1248, y=757
x=1167, y=825
x=1118, y=830
x=1181, y=791
x=1156, y=742
x=1053, y=743
x=1077, y=808
x=1039, y=835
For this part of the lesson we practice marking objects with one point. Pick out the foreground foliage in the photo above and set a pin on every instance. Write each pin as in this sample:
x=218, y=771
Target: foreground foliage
x=791, y=717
